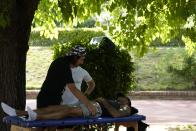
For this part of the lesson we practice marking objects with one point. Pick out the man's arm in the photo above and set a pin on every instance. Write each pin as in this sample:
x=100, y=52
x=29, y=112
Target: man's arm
x=90, y=83
x=114, y=112
x=91, y=87
x=82, y=98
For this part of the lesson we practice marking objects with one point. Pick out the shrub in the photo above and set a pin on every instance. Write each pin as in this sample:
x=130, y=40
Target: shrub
x=110, y=67
x=37, y=40
x=187, y=71
x=82, y=35
x=176, y=42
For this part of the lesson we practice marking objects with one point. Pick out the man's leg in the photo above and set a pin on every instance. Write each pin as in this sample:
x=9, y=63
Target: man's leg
x=55, y=112
x=62, y=113
x=44, y=110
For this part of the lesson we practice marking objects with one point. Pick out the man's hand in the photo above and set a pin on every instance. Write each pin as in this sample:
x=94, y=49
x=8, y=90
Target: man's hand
x=82, y=98
x=92, y=109
x=113, y=111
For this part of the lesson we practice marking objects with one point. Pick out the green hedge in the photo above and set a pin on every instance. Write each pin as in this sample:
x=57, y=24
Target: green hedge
x=82, y=35
x=110, y=67
x=176, y=42
x=89, y=23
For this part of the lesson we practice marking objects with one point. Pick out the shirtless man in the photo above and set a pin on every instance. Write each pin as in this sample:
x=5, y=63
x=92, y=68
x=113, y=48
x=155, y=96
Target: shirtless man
x=118, y=108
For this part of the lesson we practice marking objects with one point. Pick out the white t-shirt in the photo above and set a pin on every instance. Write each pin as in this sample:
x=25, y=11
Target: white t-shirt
x=79, y=74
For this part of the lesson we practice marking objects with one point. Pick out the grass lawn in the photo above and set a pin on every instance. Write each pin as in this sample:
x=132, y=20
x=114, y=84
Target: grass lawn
x=183, y=128
x=38, y=61
x=151, y=70
x=152, y=74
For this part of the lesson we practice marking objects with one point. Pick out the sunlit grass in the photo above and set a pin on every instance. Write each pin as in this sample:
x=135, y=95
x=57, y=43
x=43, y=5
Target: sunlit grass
x=183, y=128
x=38, y=61
x=152, y=74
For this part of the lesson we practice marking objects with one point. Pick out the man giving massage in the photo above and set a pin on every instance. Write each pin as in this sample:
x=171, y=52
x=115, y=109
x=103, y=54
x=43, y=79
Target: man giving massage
x=117, y=108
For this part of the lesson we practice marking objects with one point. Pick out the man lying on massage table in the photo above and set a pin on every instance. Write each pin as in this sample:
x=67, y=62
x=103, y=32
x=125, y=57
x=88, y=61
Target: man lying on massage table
x=117, y=108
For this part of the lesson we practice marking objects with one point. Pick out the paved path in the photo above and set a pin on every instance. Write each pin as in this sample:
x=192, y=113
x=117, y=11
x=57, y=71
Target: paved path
x=167, y=111
x=161, y=111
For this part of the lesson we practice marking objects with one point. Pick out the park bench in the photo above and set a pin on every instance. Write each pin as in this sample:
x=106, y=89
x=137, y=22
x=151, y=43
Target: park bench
x=21, y=124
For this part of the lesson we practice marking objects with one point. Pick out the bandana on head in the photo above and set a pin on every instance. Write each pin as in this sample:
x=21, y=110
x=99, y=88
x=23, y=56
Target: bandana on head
x=77, y=51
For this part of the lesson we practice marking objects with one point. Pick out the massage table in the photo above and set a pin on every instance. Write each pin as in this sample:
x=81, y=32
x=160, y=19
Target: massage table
x=22, y=124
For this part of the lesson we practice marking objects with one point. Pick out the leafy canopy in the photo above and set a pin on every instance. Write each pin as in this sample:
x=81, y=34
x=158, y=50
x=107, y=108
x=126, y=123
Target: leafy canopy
x=135, y=23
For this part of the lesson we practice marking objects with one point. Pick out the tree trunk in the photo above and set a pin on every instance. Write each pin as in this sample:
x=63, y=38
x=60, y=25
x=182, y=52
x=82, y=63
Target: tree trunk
x=13, y=48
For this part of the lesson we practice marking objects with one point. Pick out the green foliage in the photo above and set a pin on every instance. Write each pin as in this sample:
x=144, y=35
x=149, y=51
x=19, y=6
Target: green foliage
x=4, y=21
x=190, y=45
x=37, y=40
x=187, y=70
x=73, y=36
x=136, y=28
x=80, y=35
x=63, y=13
x=176, y=42
x=48, y=17
x=89, y=23
x=110, y=67
x=5, y=9
x=152, y=70
x=135, y=23
x=183, y=128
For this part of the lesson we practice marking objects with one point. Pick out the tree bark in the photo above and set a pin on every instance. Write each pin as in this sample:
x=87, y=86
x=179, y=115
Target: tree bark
x=13, y=48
